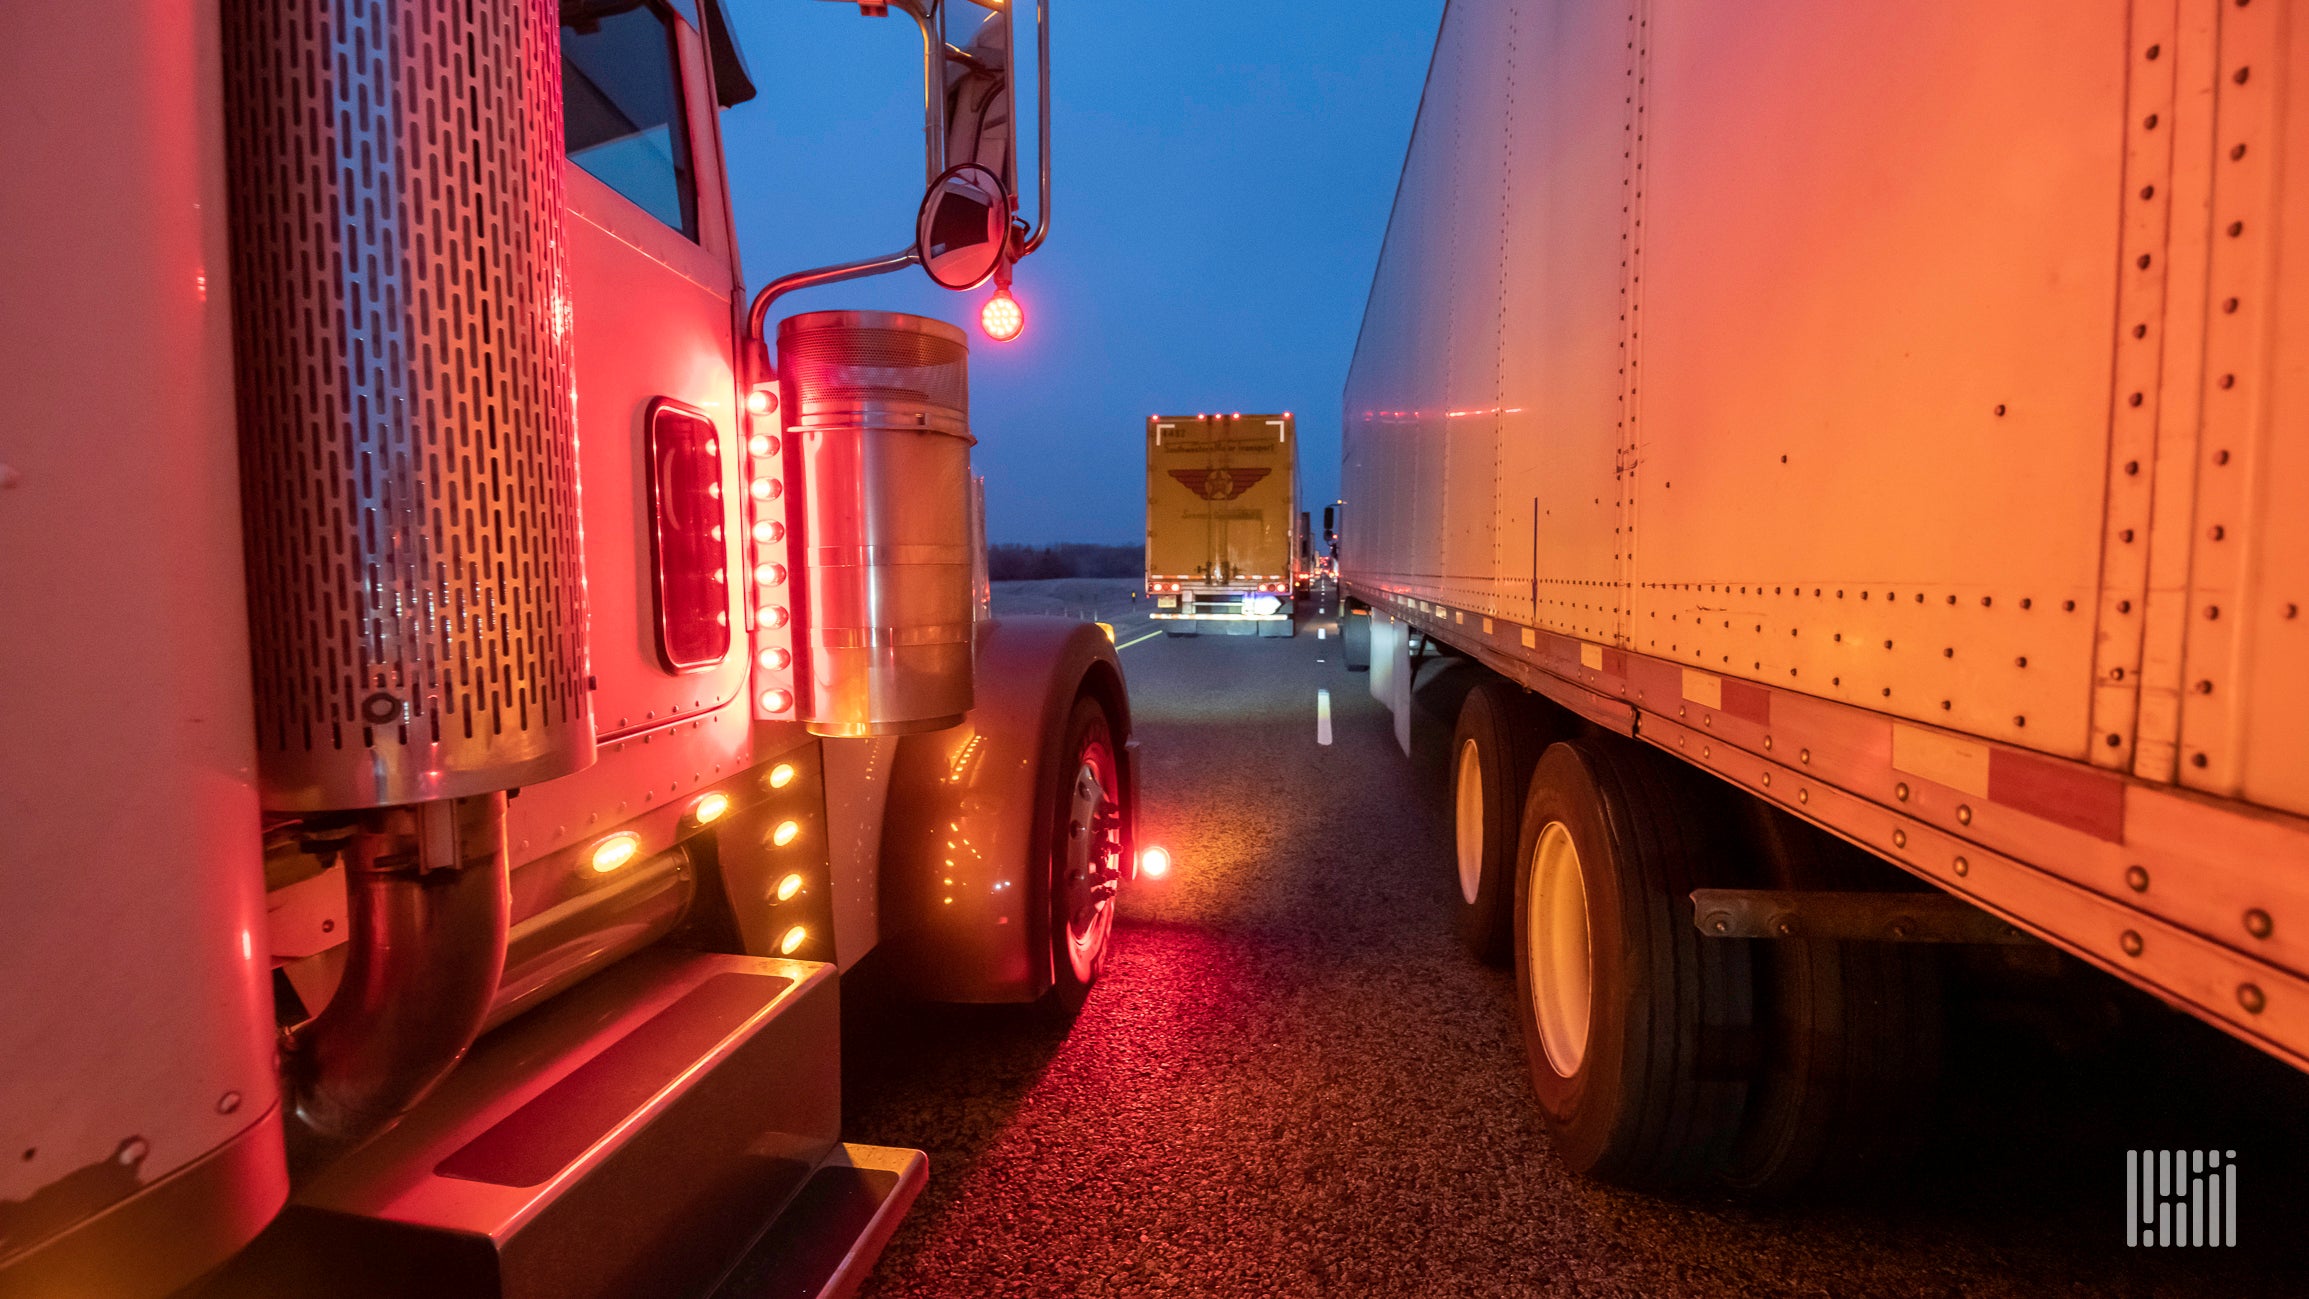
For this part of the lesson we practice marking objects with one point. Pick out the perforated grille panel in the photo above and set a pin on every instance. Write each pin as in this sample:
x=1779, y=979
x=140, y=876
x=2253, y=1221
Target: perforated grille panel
x=408, y=457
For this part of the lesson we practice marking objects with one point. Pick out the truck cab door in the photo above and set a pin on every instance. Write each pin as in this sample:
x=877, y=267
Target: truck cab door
x=651, y=279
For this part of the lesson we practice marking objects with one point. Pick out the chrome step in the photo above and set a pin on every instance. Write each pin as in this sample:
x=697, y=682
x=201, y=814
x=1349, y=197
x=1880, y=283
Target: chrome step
x=639, y=1135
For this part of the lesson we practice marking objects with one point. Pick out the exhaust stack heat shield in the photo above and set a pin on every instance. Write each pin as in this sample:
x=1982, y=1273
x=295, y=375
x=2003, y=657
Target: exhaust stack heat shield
x=408, y=454
x=878, y=434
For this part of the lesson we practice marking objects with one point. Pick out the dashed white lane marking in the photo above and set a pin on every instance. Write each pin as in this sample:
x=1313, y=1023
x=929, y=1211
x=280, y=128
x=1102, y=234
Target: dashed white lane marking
x=1321, y=632
x=1136, y=639
x=1322, y=717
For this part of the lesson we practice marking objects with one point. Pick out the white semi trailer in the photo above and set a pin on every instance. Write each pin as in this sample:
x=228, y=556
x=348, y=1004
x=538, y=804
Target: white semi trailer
x=1847, y=438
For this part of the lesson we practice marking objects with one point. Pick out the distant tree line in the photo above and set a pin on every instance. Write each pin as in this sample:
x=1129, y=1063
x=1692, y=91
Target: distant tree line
x=1076, y=559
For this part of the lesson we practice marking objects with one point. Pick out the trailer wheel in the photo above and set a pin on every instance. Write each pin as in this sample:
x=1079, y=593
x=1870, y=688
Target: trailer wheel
x=1491, y=761
x=1355, y=635
x=1085, y=798
x=1629, y=1014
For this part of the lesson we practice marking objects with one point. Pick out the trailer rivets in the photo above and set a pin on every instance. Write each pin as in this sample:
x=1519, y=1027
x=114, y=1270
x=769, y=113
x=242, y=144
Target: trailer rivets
x=2137, y=879
x=1900, y=791
x=1719, y=922
x=1804, y=756
x=2257, y=923
x=1899, y=838
x=132, y=1151
x=1964, y=813
x=2249, y=996
x=2131, y=942
x=1707, y=751
x=1803, y=795
x=1767, y=780
x=1784, y=927
x=228, y=1102
x=1962, y=867
x=2199, y=760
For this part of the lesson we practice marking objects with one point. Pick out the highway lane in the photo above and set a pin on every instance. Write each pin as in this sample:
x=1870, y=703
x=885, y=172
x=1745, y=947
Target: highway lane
x=1293, y=1082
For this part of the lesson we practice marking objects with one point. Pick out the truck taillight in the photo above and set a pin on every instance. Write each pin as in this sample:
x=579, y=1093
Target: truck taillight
x=687, y=543
x=767, y=560
x=1002, y=318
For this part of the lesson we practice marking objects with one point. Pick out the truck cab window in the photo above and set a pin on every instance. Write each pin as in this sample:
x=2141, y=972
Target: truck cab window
x=621, y=96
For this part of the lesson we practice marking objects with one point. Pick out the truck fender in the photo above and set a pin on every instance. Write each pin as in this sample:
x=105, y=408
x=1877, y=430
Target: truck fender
x=965, y=904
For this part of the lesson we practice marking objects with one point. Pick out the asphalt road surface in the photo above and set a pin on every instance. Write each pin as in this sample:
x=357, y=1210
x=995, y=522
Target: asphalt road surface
x=1292, y=1081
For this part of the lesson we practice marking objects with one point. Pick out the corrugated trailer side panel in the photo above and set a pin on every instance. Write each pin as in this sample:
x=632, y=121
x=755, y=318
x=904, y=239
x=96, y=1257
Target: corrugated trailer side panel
x=2243, y=694
x=2015, y=293
x=1874, y=341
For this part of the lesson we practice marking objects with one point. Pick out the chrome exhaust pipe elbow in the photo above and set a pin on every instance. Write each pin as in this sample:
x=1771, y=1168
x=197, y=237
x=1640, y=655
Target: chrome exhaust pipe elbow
x=428, y=902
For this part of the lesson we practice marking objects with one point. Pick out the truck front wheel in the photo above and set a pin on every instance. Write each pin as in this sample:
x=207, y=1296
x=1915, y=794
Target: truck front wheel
x=1084, y=795
x=1632, y=1020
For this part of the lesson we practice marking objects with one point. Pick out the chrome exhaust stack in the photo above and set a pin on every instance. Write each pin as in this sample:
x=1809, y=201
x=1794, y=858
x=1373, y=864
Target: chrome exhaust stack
x=427, y=904
x=409, y=484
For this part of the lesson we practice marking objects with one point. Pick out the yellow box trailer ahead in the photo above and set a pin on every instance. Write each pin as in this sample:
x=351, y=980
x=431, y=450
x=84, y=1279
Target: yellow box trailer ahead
x=1222, y=517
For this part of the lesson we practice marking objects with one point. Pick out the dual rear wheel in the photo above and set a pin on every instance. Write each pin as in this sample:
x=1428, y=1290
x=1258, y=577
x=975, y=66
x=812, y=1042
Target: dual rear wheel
x=1662, y=1057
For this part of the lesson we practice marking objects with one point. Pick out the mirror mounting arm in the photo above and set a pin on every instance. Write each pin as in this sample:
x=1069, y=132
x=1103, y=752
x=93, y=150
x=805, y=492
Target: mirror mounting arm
x=757, y=316
x=1042, y=129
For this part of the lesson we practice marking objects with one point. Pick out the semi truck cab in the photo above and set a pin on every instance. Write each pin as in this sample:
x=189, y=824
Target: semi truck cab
x=479, y=680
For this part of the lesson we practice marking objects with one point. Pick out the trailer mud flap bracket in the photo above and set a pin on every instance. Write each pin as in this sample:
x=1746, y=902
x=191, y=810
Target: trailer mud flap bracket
x=1873, y=917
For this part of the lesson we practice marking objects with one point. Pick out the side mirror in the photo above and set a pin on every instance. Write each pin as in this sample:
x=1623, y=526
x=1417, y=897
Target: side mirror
x=963, y=230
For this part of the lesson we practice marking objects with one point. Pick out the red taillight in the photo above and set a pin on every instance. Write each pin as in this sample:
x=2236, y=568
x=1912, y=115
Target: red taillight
x=772, y=587
x=1002, y=318
x=687, y=541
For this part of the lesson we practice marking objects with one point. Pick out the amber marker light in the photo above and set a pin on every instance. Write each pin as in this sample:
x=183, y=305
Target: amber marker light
x=793, y=941
x=1002, y=318
x=615, y=851
x=711, y=808
x=782, y=775
x=1154, y=863
x=785, y=833
x=775, y=658
x=761, y=401
x=788, y=887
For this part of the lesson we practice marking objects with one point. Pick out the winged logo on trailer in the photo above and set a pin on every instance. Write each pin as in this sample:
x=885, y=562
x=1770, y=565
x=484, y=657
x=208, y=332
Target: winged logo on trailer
x=1219, y=484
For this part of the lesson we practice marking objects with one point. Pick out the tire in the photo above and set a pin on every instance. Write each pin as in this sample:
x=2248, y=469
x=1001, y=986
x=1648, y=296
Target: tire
x=1492, y=753
x=1355, y=636
x=1081, y=801
x=1634, y=1024
x=1850, y=1037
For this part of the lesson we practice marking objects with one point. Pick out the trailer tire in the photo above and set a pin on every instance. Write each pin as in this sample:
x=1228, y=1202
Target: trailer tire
x=1491, y=761
x=1355, y=635
x=1632, y=1020
x=1081, y=798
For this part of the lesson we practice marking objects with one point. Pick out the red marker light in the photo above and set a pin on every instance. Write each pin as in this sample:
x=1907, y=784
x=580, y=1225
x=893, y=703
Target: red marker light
x=1154, y=863
x=1002, y=318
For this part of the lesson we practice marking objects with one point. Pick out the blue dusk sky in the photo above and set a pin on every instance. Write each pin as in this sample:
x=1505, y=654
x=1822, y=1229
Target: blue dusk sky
x=1223, y=176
